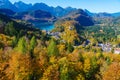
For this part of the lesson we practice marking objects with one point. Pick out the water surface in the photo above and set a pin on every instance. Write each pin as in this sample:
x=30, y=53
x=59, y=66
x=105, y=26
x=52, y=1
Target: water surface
x=47, y=27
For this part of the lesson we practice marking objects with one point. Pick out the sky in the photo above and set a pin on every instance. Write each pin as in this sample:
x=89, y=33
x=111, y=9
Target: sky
x=110, y=6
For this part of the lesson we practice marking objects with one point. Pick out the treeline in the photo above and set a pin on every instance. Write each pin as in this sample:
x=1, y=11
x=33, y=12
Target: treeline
x=35, y=59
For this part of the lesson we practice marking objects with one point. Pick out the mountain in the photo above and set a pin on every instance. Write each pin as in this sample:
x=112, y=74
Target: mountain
x=60, y=12
x=5, y=20
x=103, y=15
x=56, y=11
x=35, y=16
x=7, y=12
x=7, y=5
x=116, y=14
x=89, y=13
x=41, y=6
x=80, y=16
x=21, y=6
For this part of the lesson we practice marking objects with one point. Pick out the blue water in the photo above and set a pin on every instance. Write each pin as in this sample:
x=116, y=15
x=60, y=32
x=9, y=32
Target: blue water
x=47, y=27
x=43, y=26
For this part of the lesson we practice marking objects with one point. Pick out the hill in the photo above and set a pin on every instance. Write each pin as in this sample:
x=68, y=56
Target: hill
x=80, y=16
x=7, y=4
x=7, y=12
x=35, y=16
x=21, y=6
x=56, y=11
x=7, y=26
x=116, y=14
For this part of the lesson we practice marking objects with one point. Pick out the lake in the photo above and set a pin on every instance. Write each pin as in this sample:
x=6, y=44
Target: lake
x=47, y=27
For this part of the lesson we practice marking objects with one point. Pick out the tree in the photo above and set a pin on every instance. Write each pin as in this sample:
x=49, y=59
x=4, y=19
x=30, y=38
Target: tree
x=52, y=49
x=80, y=77
x=63, y=62
x=113, y=72
x=20, y=67
x=87, y=67
x=81, y=58
x=51, y=73
x=22, y=45
x=70, y=48
x=9, y=29
x=14, y=41
x=33, y=43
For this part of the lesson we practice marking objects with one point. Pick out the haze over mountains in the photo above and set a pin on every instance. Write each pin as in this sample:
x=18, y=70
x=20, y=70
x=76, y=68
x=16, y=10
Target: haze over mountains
x=21, y=6
x=56, y=11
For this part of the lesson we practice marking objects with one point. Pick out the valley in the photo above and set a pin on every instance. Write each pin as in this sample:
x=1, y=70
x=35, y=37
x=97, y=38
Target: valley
x=43, y=42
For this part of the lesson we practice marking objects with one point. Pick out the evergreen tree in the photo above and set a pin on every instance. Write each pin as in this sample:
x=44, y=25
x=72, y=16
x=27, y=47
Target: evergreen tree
x=64, y=73
x=14, y=41
x=33, y=43
x=81, y=58
x=9, y=29
x=22, y=45
x=70, y=48
x=52, y=49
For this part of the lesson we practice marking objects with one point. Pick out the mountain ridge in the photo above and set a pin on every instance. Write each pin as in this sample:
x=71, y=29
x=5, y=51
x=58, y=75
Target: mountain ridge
x=58, y=11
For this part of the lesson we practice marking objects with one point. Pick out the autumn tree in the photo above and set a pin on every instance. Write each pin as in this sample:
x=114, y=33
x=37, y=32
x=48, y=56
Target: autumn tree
x=113, y=72
x=51, y=73
x=87, y=67
x=63, y=62
x=20, y=67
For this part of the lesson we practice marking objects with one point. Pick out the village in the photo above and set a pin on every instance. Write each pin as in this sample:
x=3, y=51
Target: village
x=106, y=47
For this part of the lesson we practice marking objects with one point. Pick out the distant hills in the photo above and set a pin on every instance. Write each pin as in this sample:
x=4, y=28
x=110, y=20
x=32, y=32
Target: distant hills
x=35, y=16
x=7, y=5
x=21, y=7
x=4, y=20
x=116, y=14
x=81, y=17
x=42, y=13
x=56, y=11
x=7, y=12
x=102, y=14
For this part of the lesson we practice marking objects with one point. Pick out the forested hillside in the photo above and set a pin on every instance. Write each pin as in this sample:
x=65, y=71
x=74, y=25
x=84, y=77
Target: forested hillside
x=30, y=54
x=82, y=46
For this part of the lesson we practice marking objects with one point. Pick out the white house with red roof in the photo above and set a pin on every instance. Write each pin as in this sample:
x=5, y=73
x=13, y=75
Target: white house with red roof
x=117, y=50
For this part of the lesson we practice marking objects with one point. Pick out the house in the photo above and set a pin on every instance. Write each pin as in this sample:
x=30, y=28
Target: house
x=56, y=35
x=105, y=47
x=70, y=28
x=117, y=50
